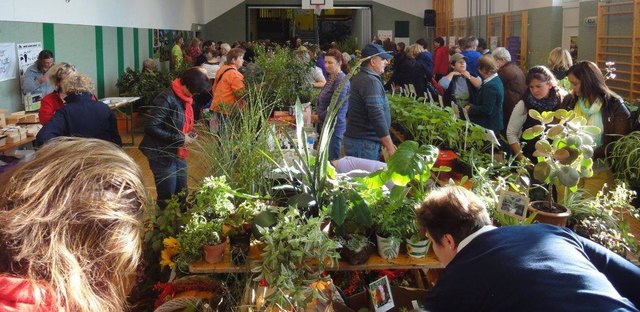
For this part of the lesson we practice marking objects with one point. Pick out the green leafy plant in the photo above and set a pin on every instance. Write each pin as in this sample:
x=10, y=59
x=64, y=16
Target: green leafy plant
x=295, y=255
x=213, y=198
x=238, y=220
x=355, y=242
x=196, y=233
x=625, y=158
x=146, y=85
x=564, y=148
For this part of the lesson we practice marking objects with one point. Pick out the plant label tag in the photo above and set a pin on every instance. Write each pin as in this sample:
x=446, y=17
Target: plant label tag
x=491, y=137
x=381, y=294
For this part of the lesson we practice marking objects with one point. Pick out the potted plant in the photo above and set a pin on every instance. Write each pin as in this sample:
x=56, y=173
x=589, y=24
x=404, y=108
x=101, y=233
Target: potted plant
x=201, y=236
x=238, y=228
x=564, y=151
x=295, y=255
x=417, y=245
x=356, y=248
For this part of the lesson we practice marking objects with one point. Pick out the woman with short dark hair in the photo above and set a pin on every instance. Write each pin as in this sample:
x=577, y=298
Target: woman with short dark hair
x=169, y=130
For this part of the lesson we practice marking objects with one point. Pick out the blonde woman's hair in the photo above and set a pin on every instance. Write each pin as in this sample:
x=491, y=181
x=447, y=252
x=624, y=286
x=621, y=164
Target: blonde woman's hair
x=77, y=83
x=225, y=47
x=488, y=63
x=72, y=218
x=559, y=58
x=413, y=50
x=58, y=72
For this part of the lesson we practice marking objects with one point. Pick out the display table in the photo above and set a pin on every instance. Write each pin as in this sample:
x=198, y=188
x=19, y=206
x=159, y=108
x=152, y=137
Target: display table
x=123, y=105
x=375, y=262
x=10, y=146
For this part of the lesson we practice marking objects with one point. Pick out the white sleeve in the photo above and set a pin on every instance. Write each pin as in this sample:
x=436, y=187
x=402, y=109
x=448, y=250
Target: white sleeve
x=516, y=121
x=317, y=74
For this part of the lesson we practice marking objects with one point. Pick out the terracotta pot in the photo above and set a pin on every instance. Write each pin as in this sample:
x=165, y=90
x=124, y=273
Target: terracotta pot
x=417, y=248
x=215, y=253
x=554, y=218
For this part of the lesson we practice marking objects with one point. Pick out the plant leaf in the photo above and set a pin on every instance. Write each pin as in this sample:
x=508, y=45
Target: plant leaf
x=339, y=208
x=535, y=114
x=533, y=132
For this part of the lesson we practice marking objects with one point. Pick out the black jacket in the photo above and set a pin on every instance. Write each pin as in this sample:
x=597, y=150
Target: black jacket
x=163, y=129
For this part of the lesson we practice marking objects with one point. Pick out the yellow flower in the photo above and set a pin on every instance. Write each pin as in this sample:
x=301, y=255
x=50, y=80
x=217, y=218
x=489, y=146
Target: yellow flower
x=171, y=248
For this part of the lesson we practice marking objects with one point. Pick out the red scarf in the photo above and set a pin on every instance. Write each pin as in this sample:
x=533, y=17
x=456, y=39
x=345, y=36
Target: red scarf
x=187, y=126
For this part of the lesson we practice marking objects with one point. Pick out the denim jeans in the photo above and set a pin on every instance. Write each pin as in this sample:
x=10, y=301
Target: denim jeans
x=335, y=147
x=170, y=176
x=361, y=148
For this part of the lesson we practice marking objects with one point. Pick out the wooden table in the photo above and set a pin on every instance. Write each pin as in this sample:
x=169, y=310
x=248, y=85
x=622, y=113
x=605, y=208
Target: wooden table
x=375, y=262
x=10, y=146
x=117, y=104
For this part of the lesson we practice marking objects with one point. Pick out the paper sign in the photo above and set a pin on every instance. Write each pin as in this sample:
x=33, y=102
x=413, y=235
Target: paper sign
x=384, y=34
x=28, y=54
x=8, y=65
x=381, y=295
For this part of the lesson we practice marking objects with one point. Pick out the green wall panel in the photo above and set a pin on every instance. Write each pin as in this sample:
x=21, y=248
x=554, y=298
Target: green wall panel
x=75, y=44
x=128, y=48
x=110, y=44
x=99, y=61
x=17, y=32
x=48, y=31
x=136, y=49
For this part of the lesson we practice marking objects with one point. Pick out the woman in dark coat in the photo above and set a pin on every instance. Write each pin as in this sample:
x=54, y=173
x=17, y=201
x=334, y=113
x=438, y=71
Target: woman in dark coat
x=168, y=132
x=82, y=115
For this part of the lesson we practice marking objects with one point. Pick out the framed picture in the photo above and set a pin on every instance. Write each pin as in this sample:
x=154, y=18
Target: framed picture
x=513, y=204
x=381, y=295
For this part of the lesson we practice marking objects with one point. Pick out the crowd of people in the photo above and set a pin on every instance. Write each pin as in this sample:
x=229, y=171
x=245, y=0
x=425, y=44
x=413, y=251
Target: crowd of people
x=100, y=186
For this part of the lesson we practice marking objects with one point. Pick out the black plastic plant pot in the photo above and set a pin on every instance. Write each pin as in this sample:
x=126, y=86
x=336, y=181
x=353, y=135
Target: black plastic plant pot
x=239, y=245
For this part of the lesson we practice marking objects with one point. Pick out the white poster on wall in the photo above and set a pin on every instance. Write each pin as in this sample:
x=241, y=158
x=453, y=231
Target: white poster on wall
x=452, y=41
x=8, y=61
x=28, y=54
x=493, y=42
x=384, y=34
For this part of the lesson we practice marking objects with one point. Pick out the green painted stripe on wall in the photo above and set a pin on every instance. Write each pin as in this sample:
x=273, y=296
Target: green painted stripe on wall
x=136, y=49
x=150, y=43
x=100, y=61
x=120, y=36
x=48, y=38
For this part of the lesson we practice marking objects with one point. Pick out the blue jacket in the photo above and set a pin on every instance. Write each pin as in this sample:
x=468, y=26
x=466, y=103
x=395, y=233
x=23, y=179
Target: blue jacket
x=369, y=116
x=535, y=268
x=472, y=61
x=82, y=116
x=486, y=111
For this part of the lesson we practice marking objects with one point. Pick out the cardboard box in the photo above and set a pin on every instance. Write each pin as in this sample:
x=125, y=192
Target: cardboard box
x=402, y=298
x=3, y=140
x=3, y=119
x=22, y=117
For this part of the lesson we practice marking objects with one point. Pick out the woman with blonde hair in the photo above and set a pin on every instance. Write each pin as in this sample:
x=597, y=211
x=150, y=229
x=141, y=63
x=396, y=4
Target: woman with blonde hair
x=53, y=101
x=72, y=226
x=559, y=62
x=82, y=115
x=412, y=72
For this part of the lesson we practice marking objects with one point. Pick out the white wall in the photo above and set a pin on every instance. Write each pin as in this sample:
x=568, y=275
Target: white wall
x=570, y=21
x=499, y=6
x=160, y=14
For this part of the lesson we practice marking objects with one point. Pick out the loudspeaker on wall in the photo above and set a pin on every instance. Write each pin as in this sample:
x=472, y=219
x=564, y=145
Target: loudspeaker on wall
x=430, y=18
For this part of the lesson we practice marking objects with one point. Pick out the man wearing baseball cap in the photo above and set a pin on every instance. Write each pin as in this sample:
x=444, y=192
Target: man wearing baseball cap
x=369, y=117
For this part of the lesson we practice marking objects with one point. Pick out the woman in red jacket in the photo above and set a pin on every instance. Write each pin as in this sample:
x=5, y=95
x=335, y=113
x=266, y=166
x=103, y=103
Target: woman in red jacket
x=52, y=101
x=440, y=58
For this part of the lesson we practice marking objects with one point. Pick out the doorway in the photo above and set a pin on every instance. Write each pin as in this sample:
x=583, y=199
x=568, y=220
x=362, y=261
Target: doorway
x=282, y=23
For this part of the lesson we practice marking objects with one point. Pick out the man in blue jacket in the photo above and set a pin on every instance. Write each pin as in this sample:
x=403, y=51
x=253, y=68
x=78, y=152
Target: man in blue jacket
x=519, y=268
x=369, y=117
